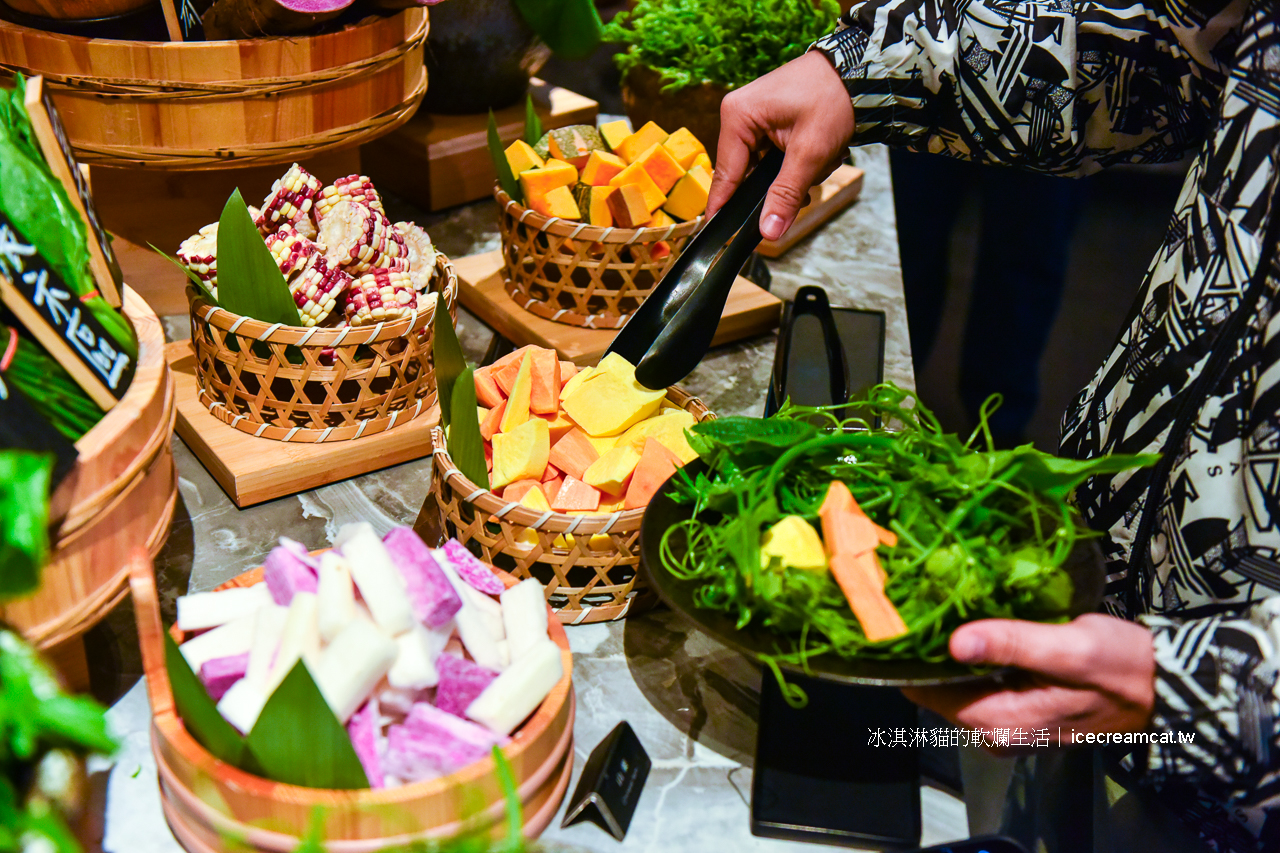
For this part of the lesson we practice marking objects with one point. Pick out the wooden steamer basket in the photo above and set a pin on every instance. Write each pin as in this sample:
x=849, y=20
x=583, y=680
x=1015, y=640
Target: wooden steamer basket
x=207, y=802
x=292, y=383
x=201, y=105
x=550, y=269
x=583, y=583
x=121, y=493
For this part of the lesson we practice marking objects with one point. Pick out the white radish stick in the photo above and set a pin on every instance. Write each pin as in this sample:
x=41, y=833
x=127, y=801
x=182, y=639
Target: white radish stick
x=515, y=693
x=487, y=607
x=415, y=667
x=377, y=578
x=300, y=639
x=233, y=638
x=202, y=610
x=267, y=634
x=241, y=705
x=524, y=614
x=337, y=595
x=352, y=665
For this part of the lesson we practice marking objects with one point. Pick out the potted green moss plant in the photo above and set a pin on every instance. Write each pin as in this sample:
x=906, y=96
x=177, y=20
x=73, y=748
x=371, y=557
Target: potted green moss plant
x=682, y=57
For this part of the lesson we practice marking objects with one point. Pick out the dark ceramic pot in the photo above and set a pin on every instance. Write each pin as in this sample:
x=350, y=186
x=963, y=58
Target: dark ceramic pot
x=694, y=107
x=480, y=56
x=145, y=23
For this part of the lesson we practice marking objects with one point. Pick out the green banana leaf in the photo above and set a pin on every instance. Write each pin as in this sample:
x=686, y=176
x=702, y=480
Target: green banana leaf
x=249, y=281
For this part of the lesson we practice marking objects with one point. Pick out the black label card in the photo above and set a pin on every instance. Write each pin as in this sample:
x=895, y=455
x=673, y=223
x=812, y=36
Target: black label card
x=611, y=783
x=52, y=313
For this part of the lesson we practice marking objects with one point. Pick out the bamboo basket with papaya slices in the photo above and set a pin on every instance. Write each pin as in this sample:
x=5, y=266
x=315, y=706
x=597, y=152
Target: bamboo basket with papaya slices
x=569, y=462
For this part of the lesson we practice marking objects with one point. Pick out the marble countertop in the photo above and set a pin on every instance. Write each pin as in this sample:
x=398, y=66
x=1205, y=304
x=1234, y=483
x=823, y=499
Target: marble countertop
x=692, y=701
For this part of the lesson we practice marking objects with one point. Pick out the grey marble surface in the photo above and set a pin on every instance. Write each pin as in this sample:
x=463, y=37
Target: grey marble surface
x=691, y=701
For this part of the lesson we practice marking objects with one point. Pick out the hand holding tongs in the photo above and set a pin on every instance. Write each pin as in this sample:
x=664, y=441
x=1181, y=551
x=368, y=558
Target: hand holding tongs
x=671, y=331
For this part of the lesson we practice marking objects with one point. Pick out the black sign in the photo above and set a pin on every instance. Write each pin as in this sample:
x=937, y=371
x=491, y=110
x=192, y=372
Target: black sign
x=611, y=783
x=56, y=148
x=53, y=314
x=24, y=428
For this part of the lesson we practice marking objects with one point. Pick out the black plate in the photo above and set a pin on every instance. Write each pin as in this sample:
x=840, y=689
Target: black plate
x=1085, y=567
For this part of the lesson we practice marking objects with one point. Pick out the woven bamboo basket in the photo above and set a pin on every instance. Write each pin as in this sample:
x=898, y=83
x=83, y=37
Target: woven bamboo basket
x=292, y=383
x=579, y=274
x=121, y=493
x=201, y=105
x=206, y=801
x=590, y=580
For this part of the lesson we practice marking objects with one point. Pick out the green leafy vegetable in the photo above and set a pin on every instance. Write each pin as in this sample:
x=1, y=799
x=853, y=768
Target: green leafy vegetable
x=24, y=519
x=981, y=533
x=249, y=280
x=318, y=754
x=506, y=179
x=47, y=386
x=466, y=445
x=571, y=28
x=532, y=123
x=727, y=42
x=198, y=712
x=40, y=209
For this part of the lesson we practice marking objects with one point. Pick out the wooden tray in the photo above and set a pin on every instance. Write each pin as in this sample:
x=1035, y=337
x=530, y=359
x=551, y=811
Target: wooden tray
x=749, y=311
x=825, y=200
x=438, y=161
x=252, y=470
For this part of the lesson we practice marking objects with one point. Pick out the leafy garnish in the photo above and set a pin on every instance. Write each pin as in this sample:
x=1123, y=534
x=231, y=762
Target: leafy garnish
x=198, y=712
x=727, y=42
x=571, y=28
x=532, y=123
x=318, y=754
x=249, y=280
x=466, y=445
x=506, y=179
x=446, y=354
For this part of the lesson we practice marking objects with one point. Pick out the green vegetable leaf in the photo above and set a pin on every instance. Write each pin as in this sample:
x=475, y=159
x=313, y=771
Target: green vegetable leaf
x=446, y=353
x=198, y=712
x=506, y=179
x=315, y=754
x=37, y=714
x=514, y=841
x=249, y=281
x=740, y=433
x=571, y=28
x=725, y=42
x=1057, y=478
x=24, y=519
x=466, y=445
x=532, y=123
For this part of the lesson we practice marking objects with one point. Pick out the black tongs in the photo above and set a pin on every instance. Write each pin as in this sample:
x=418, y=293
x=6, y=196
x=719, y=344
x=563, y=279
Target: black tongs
x=672, y=330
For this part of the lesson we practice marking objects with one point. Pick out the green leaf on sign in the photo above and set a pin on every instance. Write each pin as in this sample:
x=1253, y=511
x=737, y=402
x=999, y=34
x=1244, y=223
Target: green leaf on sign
x=571, y=28
x=446, y=352
x=466, y=446
x=506, y=179
x=24, y=518
x=198, y=712
x=297, y=739
x=249, y=281
x=532, y=123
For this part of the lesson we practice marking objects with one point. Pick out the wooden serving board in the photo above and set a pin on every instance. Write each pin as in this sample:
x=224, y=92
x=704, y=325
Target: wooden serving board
x=825, y=200
x=438, y=161
x=750, y=310
x=252, y=470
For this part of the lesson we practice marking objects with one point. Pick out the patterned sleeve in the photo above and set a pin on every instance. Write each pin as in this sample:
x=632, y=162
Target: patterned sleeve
x=1045, y=84
x=1218, y=697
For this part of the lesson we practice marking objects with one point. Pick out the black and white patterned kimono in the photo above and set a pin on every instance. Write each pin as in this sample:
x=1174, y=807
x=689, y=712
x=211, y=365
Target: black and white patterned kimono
x=1193, y=545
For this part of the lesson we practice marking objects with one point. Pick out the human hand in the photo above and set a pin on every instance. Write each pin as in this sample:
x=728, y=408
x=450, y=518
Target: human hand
x=1094, y=674
x=804, y=109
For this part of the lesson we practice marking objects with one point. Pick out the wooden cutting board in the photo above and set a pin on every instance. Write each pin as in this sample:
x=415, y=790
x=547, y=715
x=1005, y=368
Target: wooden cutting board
x=750, y=311
x=827, y=199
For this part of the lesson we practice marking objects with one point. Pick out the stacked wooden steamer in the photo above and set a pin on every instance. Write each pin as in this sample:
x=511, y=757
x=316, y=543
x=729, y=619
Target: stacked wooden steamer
x=586, y=554
x=605, y=213
x=367, y=292
x=202, y=105
x=120, y=494
x=206, y=801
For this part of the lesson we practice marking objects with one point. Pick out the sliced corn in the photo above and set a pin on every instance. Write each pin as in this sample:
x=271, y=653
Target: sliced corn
x=199, y=253
x=316, y=290
x=421, y=254
x=291, y=198
x=292, y=251
x=357, y=188
x=380, y=295
x=358, y=239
